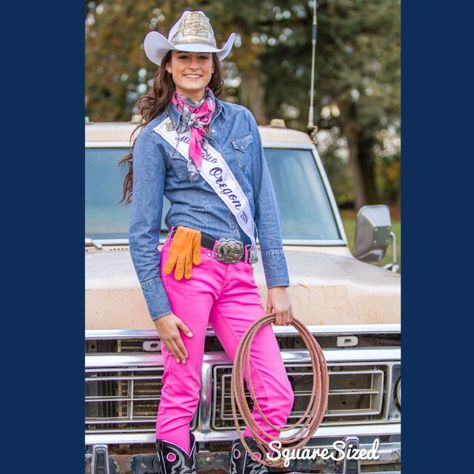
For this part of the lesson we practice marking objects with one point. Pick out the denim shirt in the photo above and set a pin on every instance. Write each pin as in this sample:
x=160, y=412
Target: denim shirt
x=158, y=169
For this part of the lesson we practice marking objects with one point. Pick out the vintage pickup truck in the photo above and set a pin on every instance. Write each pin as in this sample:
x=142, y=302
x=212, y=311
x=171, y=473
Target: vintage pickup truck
x=351, y=306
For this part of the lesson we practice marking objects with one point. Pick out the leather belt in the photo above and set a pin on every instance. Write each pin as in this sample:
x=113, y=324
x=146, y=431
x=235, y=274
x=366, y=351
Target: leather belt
x=225, y=250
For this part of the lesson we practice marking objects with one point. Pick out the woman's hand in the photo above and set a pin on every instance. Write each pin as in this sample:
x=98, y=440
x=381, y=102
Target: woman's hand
x=279, y=303
x=168, y=329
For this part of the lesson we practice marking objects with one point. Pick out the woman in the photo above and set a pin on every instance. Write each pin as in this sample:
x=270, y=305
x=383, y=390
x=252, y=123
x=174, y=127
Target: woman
x=206, y=157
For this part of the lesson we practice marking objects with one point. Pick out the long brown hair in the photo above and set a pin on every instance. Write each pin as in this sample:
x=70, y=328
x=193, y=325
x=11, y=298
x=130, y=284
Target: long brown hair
x=154, y=103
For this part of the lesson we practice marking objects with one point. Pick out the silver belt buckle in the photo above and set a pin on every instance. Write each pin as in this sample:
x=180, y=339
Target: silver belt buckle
x=229, y=251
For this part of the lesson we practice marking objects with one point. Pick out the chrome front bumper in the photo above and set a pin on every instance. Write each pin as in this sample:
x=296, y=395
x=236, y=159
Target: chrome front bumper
x=210, y=460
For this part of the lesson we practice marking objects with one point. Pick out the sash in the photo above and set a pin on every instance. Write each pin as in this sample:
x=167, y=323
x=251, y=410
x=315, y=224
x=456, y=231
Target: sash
x=219, y=176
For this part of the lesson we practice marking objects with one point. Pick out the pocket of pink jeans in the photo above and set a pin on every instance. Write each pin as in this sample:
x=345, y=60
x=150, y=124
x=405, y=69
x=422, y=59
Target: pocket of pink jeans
x=164, y=255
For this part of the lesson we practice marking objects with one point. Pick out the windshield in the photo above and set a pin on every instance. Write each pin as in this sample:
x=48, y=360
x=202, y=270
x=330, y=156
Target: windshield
x=304, y=205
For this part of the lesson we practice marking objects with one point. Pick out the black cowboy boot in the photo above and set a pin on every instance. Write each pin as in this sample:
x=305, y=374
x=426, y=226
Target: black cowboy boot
x=171, y=459
x=240, y=460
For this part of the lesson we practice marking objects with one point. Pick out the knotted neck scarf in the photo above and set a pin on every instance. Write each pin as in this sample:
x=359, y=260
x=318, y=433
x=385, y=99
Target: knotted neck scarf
x=194, y=117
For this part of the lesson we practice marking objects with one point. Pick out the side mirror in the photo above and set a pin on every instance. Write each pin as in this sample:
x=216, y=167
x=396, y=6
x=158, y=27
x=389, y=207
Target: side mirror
x=373, y=233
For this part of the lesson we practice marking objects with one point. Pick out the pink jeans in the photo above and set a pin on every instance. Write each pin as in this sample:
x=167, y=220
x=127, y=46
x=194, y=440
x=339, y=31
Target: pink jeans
x=226, y=296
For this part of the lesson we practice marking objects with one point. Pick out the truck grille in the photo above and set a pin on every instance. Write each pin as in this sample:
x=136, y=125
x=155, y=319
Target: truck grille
x=355, y=394
x=124, y=400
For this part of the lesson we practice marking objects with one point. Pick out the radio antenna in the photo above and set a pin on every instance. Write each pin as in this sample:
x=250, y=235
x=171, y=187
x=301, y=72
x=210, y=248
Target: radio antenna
x=311, y=126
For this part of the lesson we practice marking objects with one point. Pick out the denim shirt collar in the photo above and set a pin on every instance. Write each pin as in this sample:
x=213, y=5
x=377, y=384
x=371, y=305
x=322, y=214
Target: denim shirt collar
x=175, y=114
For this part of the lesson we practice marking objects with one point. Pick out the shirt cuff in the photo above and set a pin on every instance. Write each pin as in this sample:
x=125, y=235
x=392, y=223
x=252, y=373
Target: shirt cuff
x=275, y=268
x=156, y=298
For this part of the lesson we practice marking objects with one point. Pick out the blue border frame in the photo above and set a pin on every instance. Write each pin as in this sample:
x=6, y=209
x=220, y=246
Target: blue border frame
x=437, y=104
x=43, y=231
x=43, y=235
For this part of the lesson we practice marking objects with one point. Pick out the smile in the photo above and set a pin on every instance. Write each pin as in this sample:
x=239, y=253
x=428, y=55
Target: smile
x=192, y=76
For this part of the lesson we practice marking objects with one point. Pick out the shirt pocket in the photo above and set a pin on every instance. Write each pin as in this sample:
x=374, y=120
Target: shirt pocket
x=242, y=150
x=179, y=167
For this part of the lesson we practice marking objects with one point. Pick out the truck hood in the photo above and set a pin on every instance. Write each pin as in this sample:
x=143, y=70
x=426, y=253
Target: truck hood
x=325, y=288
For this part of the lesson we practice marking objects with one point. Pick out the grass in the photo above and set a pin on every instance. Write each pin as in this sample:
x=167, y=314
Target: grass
x=349, y=220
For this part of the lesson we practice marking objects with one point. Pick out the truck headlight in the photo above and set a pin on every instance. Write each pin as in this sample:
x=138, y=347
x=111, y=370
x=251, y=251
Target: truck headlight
x=398, y=392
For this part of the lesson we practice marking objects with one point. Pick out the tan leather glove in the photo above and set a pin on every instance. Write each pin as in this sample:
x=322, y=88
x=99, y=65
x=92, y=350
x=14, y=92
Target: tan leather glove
x=185, y=249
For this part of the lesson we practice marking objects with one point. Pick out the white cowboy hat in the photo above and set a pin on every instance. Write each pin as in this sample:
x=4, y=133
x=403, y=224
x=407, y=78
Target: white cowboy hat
x=192, y=32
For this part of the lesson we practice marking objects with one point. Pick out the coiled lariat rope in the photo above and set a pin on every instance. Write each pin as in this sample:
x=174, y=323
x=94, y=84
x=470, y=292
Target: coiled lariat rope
x=311, y=418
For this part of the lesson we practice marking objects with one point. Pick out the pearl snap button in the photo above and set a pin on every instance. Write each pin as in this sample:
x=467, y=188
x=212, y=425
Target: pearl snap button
x=208, y=254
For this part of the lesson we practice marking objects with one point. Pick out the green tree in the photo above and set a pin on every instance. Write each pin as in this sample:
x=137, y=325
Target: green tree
x=357, y=72
x=357, y=75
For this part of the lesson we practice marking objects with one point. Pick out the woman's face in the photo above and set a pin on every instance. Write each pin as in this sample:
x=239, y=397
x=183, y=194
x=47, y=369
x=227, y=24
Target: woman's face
x=191, y=72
